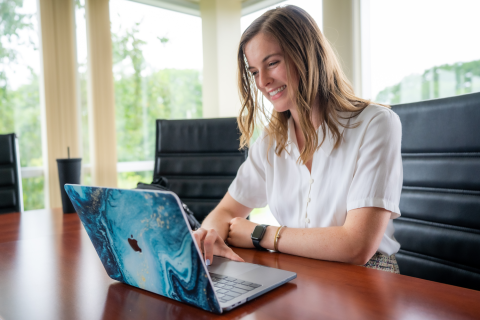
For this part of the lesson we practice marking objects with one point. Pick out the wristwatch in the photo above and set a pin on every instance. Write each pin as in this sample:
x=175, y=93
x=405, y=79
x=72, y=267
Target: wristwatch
x=257, y=236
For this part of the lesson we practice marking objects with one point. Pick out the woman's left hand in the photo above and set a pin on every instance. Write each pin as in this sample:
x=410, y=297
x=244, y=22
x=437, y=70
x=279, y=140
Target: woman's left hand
x=240, y=233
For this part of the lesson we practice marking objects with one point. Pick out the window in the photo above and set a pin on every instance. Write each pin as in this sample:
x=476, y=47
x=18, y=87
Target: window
x=421, y=50
x=157, y=56
x=20, y=92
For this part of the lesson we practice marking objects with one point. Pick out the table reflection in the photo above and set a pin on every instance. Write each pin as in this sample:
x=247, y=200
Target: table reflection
x=35, y=274
x=90, y=279
x=140, y=304
x=40, y=223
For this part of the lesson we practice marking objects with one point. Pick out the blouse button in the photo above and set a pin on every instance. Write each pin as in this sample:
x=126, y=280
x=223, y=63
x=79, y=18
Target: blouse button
x=311, y=181
x=307, y=220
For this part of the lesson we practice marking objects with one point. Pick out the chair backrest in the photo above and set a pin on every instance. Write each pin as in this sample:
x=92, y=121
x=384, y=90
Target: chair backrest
x=200, y=158
x=11, y=199
x=439, y=230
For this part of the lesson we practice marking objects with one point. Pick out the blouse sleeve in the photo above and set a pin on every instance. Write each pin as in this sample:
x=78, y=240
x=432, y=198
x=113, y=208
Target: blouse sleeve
x=378, y=177
x=249, y=186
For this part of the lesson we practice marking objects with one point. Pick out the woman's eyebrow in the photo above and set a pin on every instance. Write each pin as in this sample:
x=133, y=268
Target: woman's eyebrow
x=266, y=58
x=270, y=55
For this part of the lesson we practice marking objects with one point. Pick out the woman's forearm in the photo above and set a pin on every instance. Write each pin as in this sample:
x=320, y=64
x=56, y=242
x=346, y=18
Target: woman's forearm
x=332, y=243
x=355, y=242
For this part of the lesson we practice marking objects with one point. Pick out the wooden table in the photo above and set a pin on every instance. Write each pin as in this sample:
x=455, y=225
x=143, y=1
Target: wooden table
x=49, y=270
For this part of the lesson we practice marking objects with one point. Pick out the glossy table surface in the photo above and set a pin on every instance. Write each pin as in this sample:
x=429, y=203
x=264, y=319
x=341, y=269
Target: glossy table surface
x=50, y=270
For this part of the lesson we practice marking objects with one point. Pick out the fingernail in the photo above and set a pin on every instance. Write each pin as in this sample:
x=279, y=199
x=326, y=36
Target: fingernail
x=207, y=262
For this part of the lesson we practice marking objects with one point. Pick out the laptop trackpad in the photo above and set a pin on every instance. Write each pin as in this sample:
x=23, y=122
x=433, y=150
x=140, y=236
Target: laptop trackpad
x=228, y=267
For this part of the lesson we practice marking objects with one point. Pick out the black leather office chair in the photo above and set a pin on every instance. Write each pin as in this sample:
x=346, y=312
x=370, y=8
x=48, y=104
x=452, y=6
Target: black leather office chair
x=10, y=177
x=200, y=158
x=439, y=229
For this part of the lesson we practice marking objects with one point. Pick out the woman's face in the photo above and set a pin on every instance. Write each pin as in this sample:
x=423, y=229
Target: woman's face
x=266, y=62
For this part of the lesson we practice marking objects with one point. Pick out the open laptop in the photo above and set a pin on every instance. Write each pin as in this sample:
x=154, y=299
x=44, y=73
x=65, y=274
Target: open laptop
x=143, y=239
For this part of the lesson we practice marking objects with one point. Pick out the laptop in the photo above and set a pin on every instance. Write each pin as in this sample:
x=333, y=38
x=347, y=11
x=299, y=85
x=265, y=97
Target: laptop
x=143, y=239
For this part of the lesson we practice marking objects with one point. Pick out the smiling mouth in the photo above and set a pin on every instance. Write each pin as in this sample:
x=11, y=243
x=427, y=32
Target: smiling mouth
x=274, y=92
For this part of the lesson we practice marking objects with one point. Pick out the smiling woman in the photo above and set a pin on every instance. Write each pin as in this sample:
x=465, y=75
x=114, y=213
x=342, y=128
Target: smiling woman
x=328, y=163
x=297, y=56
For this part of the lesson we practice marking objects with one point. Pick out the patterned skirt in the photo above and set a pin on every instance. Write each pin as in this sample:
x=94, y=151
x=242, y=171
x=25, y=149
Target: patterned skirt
x=384, y=263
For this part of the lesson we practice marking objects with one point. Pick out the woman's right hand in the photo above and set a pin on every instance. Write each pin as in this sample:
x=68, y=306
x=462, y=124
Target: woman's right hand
x=210, y=243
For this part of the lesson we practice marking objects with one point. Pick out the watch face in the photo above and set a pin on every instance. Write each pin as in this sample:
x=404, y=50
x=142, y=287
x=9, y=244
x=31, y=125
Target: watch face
x=258, y=232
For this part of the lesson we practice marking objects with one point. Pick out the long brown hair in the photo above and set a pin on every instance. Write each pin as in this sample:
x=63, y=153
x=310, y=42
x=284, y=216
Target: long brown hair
x=320, y=77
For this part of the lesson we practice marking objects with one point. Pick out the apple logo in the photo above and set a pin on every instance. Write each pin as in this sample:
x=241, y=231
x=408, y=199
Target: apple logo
x=133, y=243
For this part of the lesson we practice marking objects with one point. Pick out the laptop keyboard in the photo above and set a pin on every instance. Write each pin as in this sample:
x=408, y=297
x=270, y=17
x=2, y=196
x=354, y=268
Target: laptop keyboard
x=228, y=288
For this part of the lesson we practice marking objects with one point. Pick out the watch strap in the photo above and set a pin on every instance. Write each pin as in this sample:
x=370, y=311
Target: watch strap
x=256, y=241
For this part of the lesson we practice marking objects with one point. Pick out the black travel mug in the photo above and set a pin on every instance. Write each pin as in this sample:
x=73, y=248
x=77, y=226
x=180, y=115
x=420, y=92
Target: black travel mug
x=69, y=171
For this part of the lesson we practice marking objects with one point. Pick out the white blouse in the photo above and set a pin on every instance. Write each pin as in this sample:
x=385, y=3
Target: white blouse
x=364, y=171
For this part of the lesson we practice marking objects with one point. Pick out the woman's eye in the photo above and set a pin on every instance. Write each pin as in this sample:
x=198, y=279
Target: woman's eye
x=254, y=73
x=271, y=64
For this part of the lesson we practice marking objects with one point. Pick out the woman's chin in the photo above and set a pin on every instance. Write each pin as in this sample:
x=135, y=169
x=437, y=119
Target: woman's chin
x=280, y=108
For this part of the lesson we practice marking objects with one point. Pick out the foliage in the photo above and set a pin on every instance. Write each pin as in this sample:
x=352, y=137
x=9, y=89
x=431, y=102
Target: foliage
x=22, y=116
x=167, y=94
x=141, y=97
x=25, y=102
x=129, y=180
x=10, y=23
x=33, y=196
x=145, y=95
x=20, y=107
x=429, y=85
x=263, y=216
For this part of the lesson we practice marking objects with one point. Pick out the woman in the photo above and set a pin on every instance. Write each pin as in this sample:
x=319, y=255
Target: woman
x=328, y=163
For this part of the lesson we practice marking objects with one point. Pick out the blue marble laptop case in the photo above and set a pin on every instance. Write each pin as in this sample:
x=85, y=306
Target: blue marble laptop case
x=143, y=240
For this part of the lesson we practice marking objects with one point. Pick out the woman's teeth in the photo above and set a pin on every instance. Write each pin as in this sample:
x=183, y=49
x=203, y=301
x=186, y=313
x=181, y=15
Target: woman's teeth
x=272, y=93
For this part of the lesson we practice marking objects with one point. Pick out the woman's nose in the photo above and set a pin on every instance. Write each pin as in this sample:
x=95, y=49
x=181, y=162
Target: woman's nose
x=264, y=79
